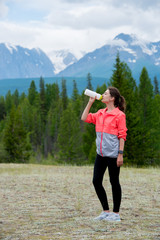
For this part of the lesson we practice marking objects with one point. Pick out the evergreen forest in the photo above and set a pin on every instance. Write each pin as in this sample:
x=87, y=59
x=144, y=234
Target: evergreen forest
x=45, y=127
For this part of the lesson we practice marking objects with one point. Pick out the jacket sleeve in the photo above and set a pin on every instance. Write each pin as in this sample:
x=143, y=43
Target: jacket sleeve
x=122, y=130
x=91, y=118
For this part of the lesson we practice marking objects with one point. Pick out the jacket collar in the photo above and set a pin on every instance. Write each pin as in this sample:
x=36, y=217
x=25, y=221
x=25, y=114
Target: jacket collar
x=115, y=111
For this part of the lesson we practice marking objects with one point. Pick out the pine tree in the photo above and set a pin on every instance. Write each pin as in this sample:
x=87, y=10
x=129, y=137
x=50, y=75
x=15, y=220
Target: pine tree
x=54, y=117
x=89, y=136
x=155, y=130
x=22, y=97
x=16, y=97
x=2, y=108
x=37, y=132
x=43, y=109
x=52, y=127
x=145, y=138
x=8, y=101
x=69, y=136
x=117, y=76
x=156, y=88
x=32, y=92
x=89, y=81
x=64, y=94
x=75, y=91
x=16, y=140
x=145, y=97
x=54, y=107
x=76, y=100
x=52, y=95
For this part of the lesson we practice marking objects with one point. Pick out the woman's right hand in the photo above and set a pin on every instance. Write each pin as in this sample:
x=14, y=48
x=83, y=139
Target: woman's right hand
x=91, y=99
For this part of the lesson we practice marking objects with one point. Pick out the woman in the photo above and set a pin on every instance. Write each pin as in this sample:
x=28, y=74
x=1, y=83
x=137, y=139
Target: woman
x=111, y=135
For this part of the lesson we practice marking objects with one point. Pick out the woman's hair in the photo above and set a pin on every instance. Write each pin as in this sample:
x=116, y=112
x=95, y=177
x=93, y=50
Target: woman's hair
x=119, y=101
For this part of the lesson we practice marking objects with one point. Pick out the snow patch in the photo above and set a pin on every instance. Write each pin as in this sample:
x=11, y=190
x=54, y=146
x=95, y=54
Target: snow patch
x=147, y=51
x=38, y=50
x=157, y=61
x=57, y=57
x=131, y=60
x=71, y=63
x=11, y=47
x=27, y=53
x=57, y=60
x=129, y=50
x=143, y=45
x=117, y=42
x=154, y=49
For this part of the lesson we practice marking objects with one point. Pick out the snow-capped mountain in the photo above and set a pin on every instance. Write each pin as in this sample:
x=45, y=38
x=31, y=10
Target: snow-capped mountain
x=61, y=59
x=19, y=62
x=136, y=52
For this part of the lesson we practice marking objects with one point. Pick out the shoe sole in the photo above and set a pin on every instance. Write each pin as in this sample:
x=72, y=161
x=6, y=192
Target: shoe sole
x=112, y=220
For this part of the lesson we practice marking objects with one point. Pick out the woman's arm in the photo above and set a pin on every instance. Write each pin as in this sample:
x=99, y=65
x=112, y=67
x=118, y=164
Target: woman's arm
x=87, y=108
x=120, y=155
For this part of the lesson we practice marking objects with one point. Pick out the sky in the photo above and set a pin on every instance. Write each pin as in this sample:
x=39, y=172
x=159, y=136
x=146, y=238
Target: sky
x=77, y=25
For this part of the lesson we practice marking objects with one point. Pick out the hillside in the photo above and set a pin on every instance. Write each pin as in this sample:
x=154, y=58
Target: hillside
x=19, y=62
x=134, y=51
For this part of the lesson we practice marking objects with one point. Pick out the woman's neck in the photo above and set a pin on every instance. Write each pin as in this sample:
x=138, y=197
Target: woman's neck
x=110, y=107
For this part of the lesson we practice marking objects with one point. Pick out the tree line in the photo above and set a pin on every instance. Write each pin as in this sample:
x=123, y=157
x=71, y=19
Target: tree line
x=46, y=124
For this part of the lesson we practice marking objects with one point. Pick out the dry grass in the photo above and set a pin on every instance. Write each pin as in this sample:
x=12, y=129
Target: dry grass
x=59, y=202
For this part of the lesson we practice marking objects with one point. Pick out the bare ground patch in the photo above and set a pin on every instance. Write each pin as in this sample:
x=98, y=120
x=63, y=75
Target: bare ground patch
x=59, y=202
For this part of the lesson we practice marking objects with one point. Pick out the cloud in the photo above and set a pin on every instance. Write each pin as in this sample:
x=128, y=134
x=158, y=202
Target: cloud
x=81, y=14
x=139, y=4
x=68, y=4
x=106, y=17
x=3, y=9
x=100, y=17
x=76, y=24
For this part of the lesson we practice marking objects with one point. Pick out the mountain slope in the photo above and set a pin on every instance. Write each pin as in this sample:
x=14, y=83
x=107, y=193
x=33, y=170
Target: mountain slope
x=19, y=62
x=61, y=59
x=135, y=52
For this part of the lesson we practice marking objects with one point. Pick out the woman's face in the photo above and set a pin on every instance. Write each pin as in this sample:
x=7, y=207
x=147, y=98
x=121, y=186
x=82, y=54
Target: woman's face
x=107, y=97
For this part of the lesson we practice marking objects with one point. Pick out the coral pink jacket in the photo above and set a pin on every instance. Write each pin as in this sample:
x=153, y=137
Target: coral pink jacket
x=110, y=127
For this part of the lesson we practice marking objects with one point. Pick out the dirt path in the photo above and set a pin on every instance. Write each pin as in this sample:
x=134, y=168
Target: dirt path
x=59, y=202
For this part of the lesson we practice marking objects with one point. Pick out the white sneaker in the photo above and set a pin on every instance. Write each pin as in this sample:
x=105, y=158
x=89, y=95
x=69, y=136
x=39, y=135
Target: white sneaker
x=103, y=215
x=113, y=217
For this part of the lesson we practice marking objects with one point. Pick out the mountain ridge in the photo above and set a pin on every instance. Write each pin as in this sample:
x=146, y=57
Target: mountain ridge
x=136, y=52
x=20, y=62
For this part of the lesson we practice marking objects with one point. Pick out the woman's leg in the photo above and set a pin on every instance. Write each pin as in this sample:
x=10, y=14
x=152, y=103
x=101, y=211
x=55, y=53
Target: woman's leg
x=114, y=180
x=99, y=170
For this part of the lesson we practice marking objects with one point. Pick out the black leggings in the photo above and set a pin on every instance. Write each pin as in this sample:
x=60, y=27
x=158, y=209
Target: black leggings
x=100, y=166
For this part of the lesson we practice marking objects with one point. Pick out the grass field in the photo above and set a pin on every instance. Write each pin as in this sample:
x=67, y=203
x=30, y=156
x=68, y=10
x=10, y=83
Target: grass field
x=59, y=202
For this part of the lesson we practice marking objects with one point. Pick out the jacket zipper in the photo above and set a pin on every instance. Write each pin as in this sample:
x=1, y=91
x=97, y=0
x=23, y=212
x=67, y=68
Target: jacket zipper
x=101, y=144
x=102, y=138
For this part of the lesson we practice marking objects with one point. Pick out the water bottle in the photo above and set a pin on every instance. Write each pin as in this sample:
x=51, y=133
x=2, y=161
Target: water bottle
x=93, y=94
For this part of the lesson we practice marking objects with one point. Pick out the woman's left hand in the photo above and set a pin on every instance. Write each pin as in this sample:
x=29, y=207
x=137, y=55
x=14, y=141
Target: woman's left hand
x=120, y=160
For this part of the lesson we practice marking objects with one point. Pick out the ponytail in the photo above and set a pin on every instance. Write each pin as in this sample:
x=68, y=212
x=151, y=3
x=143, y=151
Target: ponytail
x=122, y=103
x=119, y=101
